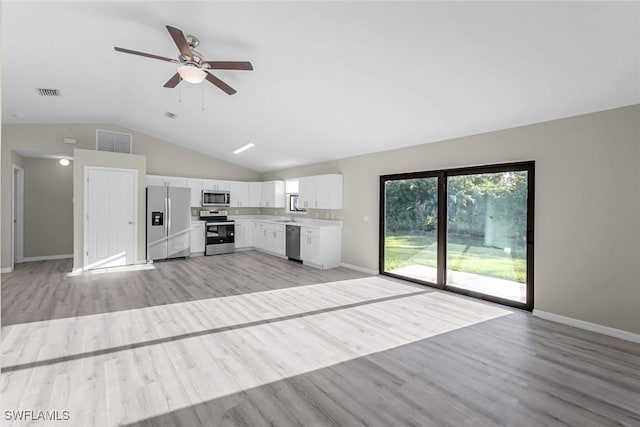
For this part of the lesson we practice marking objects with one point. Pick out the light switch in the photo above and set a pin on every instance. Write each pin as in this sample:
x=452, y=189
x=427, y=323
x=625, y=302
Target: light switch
x=366, y=218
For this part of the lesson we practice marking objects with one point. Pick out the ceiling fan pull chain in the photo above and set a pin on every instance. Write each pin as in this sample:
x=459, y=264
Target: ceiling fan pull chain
x=202, y=86
x=179, y=94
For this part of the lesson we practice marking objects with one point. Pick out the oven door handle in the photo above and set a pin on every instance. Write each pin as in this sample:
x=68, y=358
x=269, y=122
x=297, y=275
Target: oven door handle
x=219, y=223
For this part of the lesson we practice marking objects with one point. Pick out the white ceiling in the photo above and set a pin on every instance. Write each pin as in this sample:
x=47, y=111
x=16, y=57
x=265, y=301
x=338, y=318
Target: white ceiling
x=331, y=79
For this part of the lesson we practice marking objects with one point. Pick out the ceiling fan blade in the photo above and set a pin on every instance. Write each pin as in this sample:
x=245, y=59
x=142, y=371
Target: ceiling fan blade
x=222, y=85
x=178, y=37
x=229, y=65
x=148, y=55
x=173, y=81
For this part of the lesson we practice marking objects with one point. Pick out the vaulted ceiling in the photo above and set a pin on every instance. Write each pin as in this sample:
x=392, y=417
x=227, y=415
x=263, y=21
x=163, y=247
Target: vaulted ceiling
x=331, y=79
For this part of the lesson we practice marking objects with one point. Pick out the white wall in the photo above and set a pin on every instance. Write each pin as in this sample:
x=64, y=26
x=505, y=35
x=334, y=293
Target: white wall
x=587, y=218
x=162, y=157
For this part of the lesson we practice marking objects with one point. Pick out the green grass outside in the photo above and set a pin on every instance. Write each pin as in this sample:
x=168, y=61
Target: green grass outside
x=465, y=256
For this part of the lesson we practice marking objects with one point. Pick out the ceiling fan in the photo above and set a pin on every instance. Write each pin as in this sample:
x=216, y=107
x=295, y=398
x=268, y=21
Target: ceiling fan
x=193, y=67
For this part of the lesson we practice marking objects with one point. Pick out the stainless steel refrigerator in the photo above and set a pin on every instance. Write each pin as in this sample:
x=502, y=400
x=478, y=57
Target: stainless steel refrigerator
x=168, y=222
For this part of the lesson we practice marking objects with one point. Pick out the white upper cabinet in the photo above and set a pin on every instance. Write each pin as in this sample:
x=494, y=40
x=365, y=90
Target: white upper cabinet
x=307, y=192
x=273, y=194
x=166, y=181
x=255, y=194
x=195, y=185
x=320, y=192
x=239, y=194
x=215, y=185
x=155, y=180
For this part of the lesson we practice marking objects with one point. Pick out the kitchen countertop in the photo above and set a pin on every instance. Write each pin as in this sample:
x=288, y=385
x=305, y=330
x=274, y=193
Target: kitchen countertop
x=303, y=222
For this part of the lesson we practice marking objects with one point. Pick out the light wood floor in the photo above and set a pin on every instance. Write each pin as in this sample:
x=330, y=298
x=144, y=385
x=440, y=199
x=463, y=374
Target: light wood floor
x=247, y=339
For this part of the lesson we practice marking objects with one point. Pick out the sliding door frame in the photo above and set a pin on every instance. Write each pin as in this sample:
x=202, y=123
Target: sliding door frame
x=381, y=235
x=442, y=175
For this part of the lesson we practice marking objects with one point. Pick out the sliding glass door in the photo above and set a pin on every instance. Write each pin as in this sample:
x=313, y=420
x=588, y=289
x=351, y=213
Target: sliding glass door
x=411, y=234
x=464, y=230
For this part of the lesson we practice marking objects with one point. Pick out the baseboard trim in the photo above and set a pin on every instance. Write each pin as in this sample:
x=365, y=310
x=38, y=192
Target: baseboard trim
x=358, y=268
x=588, y=326
x=46, y=258
x=6, y=270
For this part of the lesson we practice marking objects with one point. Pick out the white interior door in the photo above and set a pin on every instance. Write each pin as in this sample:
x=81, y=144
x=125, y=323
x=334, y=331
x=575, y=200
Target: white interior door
x=110, y=231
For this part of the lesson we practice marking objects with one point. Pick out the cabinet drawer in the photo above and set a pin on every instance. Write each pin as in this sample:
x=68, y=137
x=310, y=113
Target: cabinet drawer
x=310, y=232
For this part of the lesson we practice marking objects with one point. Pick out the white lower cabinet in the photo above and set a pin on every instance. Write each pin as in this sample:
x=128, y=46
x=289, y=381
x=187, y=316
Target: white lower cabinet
x=243, y=234
x=321, y=247
x=269, y=237
x=197, y=237
x=276, y=242
x=310, y=249
x=259, y=235
x=238, y=237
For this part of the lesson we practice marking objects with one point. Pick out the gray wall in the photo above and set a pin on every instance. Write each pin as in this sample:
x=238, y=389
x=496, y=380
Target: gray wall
x=48, y=208
x=587, y=219
x=163, y=158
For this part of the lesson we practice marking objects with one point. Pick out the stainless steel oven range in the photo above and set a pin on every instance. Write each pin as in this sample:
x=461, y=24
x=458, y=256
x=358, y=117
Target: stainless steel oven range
x=219, y=232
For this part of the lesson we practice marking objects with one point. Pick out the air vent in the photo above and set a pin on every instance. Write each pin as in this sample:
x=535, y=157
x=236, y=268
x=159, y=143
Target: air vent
x=171, y=115
x=49, y=92
x=114, y=142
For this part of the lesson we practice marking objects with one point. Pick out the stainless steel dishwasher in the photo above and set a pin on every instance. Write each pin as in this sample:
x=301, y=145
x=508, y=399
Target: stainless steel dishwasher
x=293, y=242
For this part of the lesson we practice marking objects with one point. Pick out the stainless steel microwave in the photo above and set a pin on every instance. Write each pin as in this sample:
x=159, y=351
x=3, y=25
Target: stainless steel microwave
x=215, y=198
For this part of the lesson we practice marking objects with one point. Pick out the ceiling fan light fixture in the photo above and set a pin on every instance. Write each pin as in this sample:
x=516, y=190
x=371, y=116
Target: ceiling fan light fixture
x=192, y=74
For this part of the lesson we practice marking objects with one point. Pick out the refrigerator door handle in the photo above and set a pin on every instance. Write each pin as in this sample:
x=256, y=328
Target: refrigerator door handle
x=166, y=214
x=169, y=215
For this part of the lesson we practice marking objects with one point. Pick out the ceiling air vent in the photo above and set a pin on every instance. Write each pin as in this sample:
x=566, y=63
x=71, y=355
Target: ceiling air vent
x=171, y=115
x=114, y=142
x=49, y=92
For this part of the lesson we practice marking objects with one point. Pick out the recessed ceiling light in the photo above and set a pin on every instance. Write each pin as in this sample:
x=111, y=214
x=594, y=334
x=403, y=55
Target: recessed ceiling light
x=244, y=148
x=64, y=162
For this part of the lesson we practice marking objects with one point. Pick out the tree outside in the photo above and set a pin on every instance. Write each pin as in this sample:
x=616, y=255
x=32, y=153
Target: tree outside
x=486, y=224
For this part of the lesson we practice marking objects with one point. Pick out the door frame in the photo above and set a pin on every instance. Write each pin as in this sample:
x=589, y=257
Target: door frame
x=85, y=213
x=442, y=175
x=17, y=203
x=381, y=234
